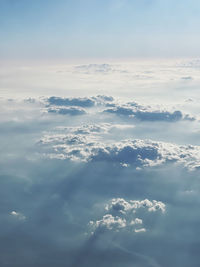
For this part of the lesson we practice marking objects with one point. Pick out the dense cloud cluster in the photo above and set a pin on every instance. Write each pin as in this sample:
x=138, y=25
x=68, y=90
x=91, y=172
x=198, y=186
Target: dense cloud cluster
x=85, y=144
x=122, y=214
x=122, y=206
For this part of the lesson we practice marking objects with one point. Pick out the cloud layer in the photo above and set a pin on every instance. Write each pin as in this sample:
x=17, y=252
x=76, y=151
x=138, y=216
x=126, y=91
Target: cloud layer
x=88, y=179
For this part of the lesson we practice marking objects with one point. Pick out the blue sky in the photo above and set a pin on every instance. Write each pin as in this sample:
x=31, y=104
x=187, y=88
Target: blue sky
x=91, y=28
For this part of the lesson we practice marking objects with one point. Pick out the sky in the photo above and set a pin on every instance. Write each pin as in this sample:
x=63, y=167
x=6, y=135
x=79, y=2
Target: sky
x=99, y=133
x=67, y=29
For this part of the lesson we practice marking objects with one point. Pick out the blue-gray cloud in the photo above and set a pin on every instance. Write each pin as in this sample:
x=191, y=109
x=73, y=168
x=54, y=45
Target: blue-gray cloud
x=147, y=114
x=73, y=111
x=79, y=102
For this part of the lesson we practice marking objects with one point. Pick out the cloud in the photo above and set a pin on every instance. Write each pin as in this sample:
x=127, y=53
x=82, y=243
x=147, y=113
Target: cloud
x=159, y=116
x=79, y=102
x=141, y=199
x=59, y=104
x=94, y=129
x=109, y=222
x=104, y=68
x=73, y=111
x=122, y=215
x=136, y=221
x=195, y=63
x=122, y=206
x=18, y=215
x=104, y=98
x=187, y=78
x=87, y=146
x=141, y=230
x=143, y=113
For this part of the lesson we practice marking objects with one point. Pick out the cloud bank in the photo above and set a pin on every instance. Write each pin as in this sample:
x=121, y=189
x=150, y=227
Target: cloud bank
x=87, y=146
x=88, y=179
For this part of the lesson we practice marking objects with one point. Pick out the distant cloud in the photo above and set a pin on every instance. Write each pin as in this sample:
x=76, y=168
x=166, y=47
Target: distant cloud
x=134, y=110
x=79, y=102
x=102, y=68
x=94, y=129
x=69, y=105
x=73, y=111
x=108, y=105
x=17, y=215
x=99, y=69
x=145, y=113
x=136, y=221
x=140, y=230
x=187, y=78
x=104, y=98
x=195, y=63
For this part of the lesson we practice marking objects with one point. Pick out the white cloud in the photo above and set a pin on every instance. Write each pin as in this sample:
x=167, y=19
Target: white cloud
x=109, y=222
x=122, y=215
x=141, y=230
x=122, y=206
x=18, y=215
x=89, y=146
x=136, y=221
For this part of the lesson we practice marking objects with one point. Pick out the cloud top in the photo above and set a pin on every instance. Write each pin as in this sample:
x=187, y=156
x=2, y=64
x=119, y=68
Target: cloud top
x=122, y=215
x=87, y=145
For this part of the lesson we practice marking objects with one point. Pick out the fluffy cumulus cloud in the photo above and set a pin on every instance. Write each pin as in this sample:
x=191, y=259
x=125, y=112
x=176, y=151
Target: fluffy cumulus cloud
x=85, y=144
x=109, y=222
x=122, y=215
x=122, y=206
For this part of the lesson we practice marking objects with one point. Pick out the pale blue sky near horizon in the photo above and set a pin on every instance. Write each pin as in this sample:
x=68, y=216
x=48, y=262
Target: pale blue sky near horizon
x=49, y=29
